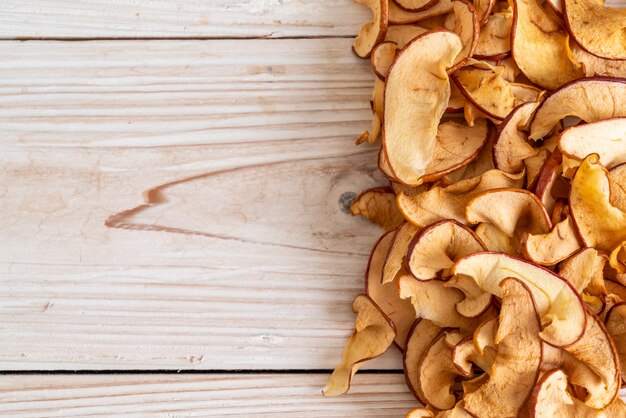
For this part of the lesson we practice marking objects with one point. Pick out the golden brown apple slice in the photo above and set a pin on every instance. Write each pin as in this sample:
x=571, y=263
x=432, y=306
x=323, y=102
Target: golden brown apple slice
x=373, y=334
x=617, y=183
x=616, y=326
x=399, y=16
x=598, y=29
x=590, y=99
x=600, y=224
x=421, y=335
x=511, y=147
x=607, y=138
x=553, y=247
x=584, y=270
x=596, y=66
x=449, y=202
x=435, y=302
x=465, y=355
x=487, y=90
x=416, y=95
x=534, y=164
x=549, y=184
x=478, y=167
x=372, y=32
x=494, y=41
x=496, y=240
x=539, y=45
x=559, y=305
x=511, y=210
x=382, y=56
x=518, y=357
x=403, y=34
x=415, y=5
x=483, y=9
x=387, y=296
x=464, y=22
x=484, y=336
x=376, y=103
x=457, y=100
x=476, y=300
x=394, y=261
x=437, y=374
x=617, y=258
x=436, y=248
x=378, y=205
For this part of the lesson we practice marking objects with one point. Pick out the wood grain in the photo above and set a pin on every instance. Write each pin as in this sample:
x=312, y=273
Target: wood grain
x=174, y=18
x=240, y=256
x=175, y=396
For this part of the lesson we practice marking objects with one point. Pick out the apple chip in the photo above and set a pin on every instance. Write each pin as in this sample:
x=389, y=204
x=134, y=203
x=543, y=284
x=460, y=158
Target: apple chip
x=399, y=16
x=600, y=224
x=378, y=205
x=382, y=56
x=617, y=259
x=421, y=335
x=539, y=46
x=590, y=99
x=488, y=91
x=457, y=100
x=550, y=185
x=534, y=164
x=598, y=29
x=386, y=295
x=518, y=357
x=377, y=113
x=437, y=374
x=511, y=146
x=483, y=10
x=607, y=138
x=416, y=5
x=436, y=248
x=403, y=34
x=412, y=114
x=496, y=240
x=464, y=22
x=494, y=40
x=465, y=356
x=596, y=66
x=553, y=247
x=394, y=260
x=449, y=202
x=617, y=186
x=559, y=305
x=373, y=334
x=476, y=301
x=372, y=32
x=511, y=210
x=478, y=167
x=584, y=270
x=616, y=327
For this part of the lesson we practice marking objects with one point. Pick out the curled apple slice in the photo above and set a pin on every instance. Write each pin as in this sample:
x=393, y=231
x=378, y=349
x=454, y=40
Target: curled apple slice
x=415, y=5
x=437, y=374
x=596, y=66
x=476, y=300
x=378, y=205
x=487, y=90
x=590, y=99
x=494, y=40
x=515, y=368
x=372, y=32
x=550, y=185
x=616, y=326
x=511, y=147
x=382, y=56
x=617, y=258
x=496, y=240
x=483, y=10
x=510, y=210
x=377, y=113
x=416, y=95
x=399, y=16
x=607, y=138
x=403, y=34
x=559, y=305
x=464, y=22
x=449, y=202
x=436, y=248
x=585, y=271
x=394, y=260
x=598, y=29
x=421, y=335
x=465, y=355
x=372, y=336
x=553, y=247
x=600, y=224
x=386, y=295
x=617, y=185
x=539, y=46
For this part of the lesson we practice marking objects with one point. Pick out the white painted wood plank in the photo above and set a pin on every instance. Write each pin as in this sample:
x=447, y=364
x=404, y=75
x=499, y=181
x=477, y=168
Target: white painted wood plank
x=244, y=260
x=200, y=395
x=173, y=18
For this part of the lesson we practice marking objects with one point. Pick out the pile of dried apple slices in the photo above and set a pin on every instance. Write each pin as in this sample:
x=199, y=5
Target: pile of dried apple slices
x=501, y=274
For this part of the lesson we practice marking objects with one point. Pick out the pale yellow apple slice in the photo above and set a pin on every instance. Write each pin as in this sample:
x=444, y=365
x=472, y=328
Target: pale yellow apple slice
x=494, y=40
x=559, y=305
x=416, y=95
x=382, y=56
x=399, y=16
x=464, y=22
x=496, y=240
x=372, y=32
x=585, y=271
x=553, y=247
x=590, y=99
x=395, y=257
x=372, y=336
x=487, y=90
x=378, y=205
x=511, y=147
x=596, y=66
x=421, y=335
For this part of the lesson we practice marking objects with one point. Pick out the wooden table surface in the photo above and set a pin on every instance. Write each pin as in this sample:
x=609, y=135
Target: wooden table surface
x=170, y=183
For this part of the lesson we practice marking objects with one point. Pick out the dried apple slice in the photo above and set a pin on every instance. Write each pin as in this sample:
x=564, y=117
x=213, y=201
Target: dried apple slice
x=478, y=167
x=465, y=23
x=518, y=357
x=399, y=16
x=559, y=305
x=539, y=46
x=617, y=258
x=457, y=100
x=487, y=90
x=372, y=336
x=403, y=34
x=494, y=41
x=616, y=326
x=376, y=103
x=378, y=205
x=415, y=5
x=416, y=96
x=435, y=302
x=600, y=224
x=484, y=336
x=476, y=301
x=382, y=56
x=421, y=335
x=483, y=10
x=553, y=247
x=584, y=270
x=436, y=248
x=534, y=164
x=590, y=99
x=496, y=240
x=464, y=355
x=549, y=184
x=598, y=29
x=449, y=202
x=607, y=138
x=617, y=183
x=596, y=66
x=386, y=296
x=510, y=147
x=511, y=210
x=398, y=251
x=372, y=32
